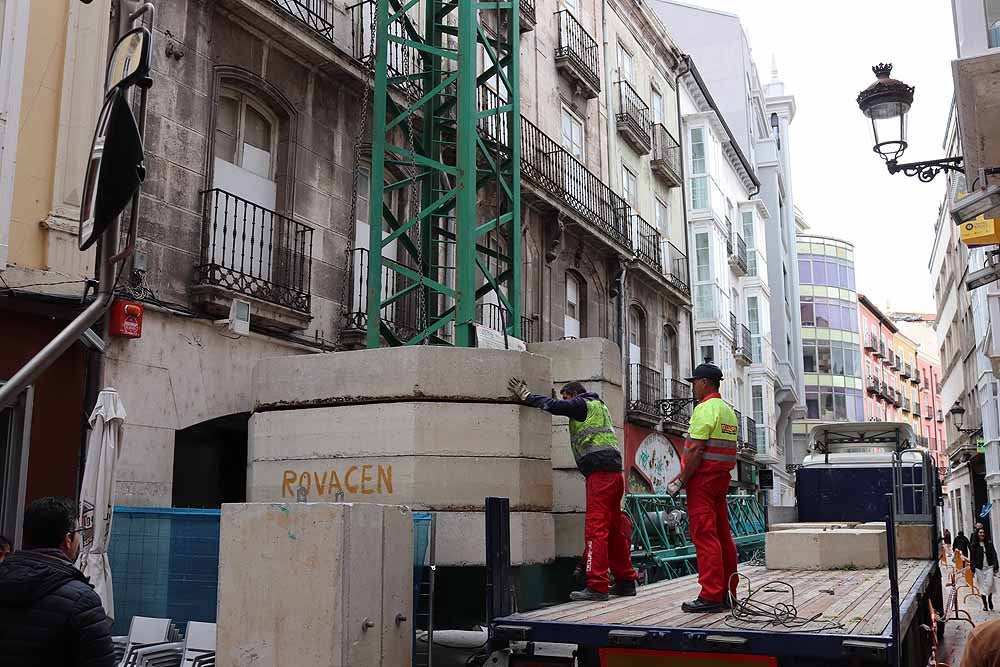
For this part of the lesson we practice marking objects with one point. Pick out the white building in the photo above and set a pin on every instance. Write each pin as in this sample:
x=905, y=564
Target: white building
x=758, y=117
x=729, y=267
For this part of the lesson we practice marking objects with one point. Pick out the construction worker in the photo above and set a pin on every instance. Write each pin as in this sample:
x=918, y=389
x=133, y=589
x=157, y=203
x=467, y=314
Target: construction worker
x=607, y=532
x=709, y=457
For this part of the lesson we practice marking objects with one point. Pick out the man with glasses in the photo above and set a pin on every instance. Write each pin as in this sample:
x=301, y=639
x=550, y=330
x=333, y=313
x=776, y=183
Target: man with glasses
x=50, y=615
x=709, y=458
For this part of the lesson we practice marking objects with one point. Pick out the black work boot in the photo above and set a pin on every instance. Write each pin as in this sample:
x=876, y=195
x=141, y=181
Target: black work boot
x=990, y=600
x=588, y=594
x=700, y=606
x=985, y=605
x=624, y=589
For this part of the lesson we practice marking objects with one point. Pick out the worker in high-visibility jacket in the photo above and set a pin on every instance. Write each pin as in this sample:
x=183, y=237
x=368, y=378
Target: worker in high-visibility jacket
x=709, y=458
x=607, y=531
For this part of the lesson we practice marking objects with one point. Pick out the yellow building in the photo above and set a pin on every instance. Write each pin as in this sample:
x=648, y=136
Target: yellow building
x=52, y=62
x=908, y=369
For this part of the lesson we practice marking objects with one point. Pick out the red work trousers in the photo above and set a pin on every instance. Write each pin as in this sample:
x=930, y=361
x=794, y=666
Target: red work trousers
x=708, y=518
x=607, y=533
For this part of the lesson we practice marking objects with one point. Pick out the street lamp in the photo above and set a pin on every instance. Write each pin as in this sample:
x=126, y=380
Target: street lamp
x=885, y=103
x=957, y=413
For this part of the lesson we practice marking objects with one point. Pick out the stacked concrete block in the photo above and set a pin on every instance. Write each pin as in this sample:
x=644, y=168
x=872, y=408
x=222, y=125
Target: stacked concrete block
x=596, y=362
x=815, y=525
x=912, y=540
x=429, y=427
x=322, y=584
x=819, y=549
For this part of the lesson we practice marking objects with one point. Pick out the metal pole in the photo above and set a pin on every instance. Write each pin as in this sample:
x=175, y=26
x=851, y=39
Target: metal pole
x=497, y=562
x=890, y=539
x=430, y=591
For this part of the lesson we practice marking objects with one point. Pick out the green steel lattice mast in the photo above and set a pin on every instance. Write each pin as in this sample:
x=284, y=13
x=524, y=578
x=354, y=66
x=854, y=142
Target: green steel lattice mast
x=460, y=236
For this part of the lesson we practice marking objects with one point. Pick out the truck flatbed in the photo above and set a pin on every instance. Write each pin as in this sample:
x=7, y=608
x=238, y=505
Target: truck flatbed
x=857, y=602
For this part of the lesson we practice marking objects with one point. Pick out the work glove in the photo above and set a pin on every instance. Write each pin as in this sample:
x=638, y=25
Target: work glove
x=518, y=389
x=674, y=487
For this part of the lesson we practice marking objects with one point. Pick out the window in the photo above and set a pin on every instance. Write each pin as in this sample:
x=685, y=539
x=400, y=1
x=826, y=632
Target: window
x=13, y=464
x=572, y=133
x=657, y=106
x=809, y=356
x=630, y=188
x=245, y=134
x=759, y=416
x=703, y=257
x=699, y=169
x=993, y=23
x=636, y=337
x=753, y=323
x=708, y=353
x=571, y=321
x=704, y=293
x=572, y=5
x=624, y=64
x=663, y=218
x=748, y=236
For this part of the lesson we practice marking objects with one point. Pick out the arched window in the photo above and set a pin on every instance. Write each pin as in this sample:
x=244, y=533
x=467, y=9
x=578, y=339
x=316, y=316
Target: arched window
x=574, y=320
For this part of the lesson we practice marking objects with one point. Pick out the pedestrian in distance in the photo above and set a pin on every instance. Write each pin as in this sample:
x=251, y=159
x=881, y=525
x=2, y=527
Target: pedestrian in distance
x=961, y=543
x=607, y=531
x=709, y=458
x=50, y=615
x=6, y=546
x=983, y=558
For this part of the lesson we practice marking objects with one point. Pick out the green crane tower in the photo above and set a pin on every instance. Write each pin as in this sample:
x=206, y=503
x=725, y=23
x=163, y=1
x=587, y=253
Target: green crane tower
x=446, y=124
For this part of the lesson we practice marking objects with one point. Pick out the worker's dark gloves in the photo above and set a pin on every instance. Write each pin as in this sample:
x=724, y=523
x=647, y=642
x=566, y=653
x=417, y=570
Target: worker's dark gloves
x=518, y=389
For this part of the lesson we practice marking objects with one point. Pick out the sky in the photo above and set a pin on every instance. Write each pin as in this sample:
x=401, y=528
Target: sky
x=824, y=54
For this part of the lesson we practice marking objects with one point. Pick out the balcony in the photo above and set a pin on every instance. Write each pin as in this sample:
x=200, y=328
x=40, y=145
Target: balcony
x=646, y=243
x=873, y=385
x=871, y=345
x=905, y=371
x=930, y=414
x=734, y=330
x=897, y=398
x=738, y=260
x=906, y=405
x=564, y=179
x=675, y=268
x=527, y=15
x=400, y=317
x=396, y=54
x=254, y=252
x=915, y=378
x=666, y=158
x=740, y=435
x=744, y=353
x=750, y=428
x=633, y=118
x=894, y=361
x=677, y=403
x=879, y=351
x=940, y=417
x=577, y=55
x=645, y=392
x=915, y=409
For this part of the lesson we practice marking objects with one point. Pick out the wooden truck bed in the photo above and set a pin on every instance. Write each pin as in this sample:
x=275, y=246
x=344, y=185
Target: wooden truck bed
x=857, y=600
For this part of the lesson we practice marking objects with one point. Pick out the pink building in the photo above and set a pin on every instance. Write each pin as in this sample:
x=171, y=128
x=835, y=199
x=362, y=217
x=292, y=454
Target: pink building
x=883, y=396
x=931, y=410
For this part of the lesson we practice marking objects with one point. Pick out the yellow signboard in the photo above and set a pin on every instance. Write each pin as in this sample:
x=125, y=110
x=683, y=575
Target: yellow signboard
x=980, y=231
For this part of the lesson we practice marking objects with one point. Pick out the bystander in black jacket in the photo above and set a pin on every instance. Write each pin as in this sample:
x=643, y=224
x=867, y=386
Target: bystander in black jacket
x=50, y=615
x=961, y=543
x=978, y=554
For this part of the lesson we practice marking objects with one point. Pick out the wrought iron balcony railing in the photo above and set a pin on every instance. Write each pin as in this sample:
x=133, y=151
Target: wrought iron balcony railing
x=677, y=403
x=551, y=167
x=646, y=242
x=915, y=377
x=400, y=316
x=254, y=251
x=905, y=371
x=361, y=44
x=645, y=391
x=874, y=385
x=527, y=15
x=750, y=428
x=578, y=54
x=734, y=328
x=666, y=158
x=633, y=118
x=871, y=344
x=314, y=14
x=675, y=267
x=744, y=352
x=741, y=254
x=740, y=435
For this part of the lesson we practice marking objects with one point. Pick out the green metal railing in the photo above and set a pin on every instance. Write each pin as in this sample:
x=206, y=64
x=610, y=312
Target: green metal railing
x=661, y=539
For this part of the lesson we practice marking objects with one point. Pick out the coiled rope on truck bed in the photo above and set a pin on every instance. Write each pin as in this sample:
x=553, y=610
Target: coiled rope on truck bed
x=750, y=610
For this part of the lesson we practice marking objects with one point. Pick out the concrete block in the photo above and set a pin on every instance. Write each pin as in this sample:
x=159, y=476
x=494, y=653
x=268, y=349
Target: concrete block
x=815, y=525
x=298, y=581
x=569, y=493
x=569, y=534
x=817, y=549
x=461, y=538
x=912, y=540
x=450, y=483
x=392, y=429
x=583, y=360
x=392, y=374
